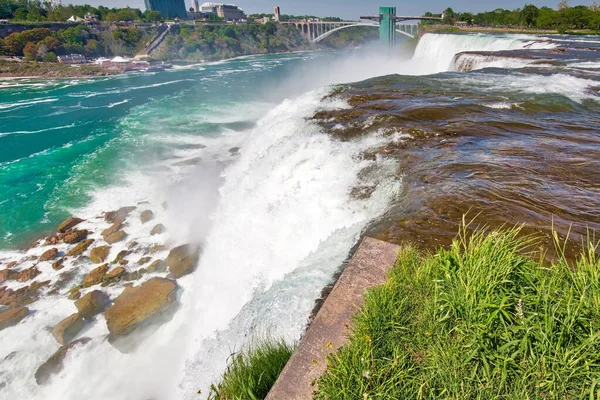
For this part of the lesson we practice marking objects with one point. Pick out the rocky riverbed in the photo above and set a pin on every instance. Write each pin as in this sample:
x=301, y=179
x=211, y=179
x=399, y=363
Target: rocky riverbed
x=93, y=264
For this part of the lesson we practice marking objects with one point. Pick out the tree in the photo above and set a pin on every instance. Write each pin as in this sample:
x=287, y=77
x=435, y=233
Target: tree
x=30, y=51
x=21, y=14
x=448, y=16
x=529, y=13
x=51, y=57
x=42, y=52
x=152, y=16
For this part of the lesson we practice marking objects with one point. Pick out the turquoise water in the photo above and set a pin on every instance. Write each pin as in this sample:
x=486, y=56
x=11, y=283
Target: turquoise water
x=61, y=140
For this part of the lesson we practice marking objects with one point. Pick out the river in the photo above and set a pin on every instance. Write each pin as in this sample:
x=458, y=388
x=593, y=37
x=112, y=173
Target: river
x=277, y=165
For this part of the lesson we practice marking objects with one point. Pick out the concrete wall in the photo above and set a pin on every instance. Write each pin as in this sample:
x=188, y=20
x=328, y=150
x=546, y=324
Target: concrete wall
x=328, y=331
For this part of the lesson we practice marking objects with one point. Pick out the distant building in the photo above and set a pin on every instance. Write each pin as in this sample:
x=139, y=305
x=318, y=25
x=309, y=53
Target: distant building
x=228, y=12
x=277, y=14
x=168, y=9
x=196, y=5
x=71, y=59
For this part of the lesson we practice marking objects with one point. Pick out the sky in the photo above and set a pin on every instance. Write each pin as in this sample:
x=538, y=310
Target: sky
x=350, y=9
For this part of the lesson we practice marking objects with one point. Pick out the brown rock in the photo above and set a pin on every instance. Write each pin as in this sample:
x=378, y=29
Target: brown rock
x=92, y=304
x=144, y=260
x=68, y=328
x=157, y=266
x=53, y=239
x=48, y=255
x=122, y=254
x=123, y=262
x=8, y=274
x=80, y=248
x=158, y=247
x=55, y=363
x=153, y=301
x=115, y=237
x=114, y=274
x=74, y=295
x=68, y=224
x=99, y=254
x=28, y=274
x=74, y=236
x=12, y=316
x=182, y=260
x=58, y=264
x=146, y=215
x=12, y=264
x=122, y=213
x=114, y=227
x=158, y=229
x=95, y=276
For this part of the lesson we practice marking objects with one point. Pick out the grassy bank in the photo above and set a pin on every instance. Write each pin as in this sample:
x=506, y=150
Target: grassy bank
x=483, y=320
x=12, y=69
x=251, y=373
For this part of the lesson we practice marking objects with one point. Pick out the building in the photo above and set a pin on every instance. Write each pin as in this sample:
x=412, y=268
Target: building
x=168, y=9
x=228, y=12
x=277, y=14
x=196, y=6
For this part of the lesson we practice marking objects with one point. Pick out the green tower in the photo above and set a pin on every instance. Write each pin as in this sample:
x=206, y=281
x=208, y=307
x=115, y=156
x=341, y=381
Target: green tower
x=387, y=26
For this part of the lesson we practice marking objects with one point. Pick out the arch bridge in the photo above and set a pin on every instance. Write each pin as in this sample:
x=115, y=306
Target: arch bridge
x=315, y=31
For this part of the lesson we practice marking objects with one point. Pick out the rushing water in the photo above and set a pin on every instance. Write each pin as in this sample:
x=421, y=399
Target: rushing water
x=277, y=175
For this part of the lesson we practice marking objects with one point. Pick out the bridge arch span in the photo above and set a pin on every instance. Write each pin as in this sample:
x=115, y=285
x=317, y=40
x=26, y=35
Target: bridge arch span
x=374, y=25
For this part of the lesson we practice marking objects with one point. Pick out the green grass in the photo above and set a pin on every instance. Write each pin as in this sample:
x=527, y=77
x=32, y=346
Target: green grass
x=484, y=319
x=251, y=373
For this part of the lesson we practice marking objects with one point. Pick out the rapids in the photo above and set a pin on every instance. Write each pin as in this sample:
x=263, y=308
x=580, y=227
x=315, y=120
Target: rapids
x=277, y=165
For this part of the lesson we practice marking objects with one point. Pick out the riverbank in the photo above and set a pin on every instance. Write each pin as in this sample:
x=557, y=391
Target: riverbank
x=34, y=69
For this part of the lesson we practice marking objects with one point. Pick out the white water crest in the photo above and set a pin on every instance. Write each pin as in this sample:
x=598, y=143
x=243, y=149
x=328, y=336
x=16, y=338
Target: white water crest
x=464, y=62
x=437, y=51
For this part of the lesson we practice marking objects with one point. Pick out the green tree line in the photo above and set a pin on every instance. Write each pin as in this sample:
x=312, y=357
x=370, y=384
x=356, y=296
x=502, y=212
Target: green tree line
x=562, y=18
x=37, y=11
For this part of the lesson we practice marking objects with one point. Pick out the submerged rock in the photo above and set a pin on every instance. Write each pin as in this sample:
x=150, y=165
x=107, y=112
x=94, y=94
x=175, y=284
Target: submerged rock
x=146, y=216
x=48, y=255
x=74, y=236
x=115, y=237
x=144, y=260
x=12, y=316
x=182, y=260
x=158, y=229
x=95, y=276
x=157, y=266
x=152, y=302
x=92, y=304
x=122, y=254
x=55, y=363
x=121, y=213
x=68, y=328
x=80, y=248
x=99, y=254
x=69, y=223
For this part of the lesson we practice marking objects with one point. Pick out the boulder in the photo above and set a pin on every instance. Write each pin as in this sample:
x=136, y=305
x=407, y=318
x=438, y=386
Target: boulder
x=182, y=260
x=92, y=304
x=55, y=363
x=74, y=294
x=114, y=274
x=122, y=254
x=114, y=227
x=154, y=302
x=99, y=254
x=12, y=316
x=53, y=239
x=157, y=266
x=80, y=248
x=8, y=274
x=68, y=328
x=146, y=215
x=155, y=248
x=28, y=274
x=74, y=236
x=115, y=237
x=95, y=276
x=69, y=223
x=48, y=255
x=144, y=260
x=58, y=264
x=121, y=213
x=158, y=229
